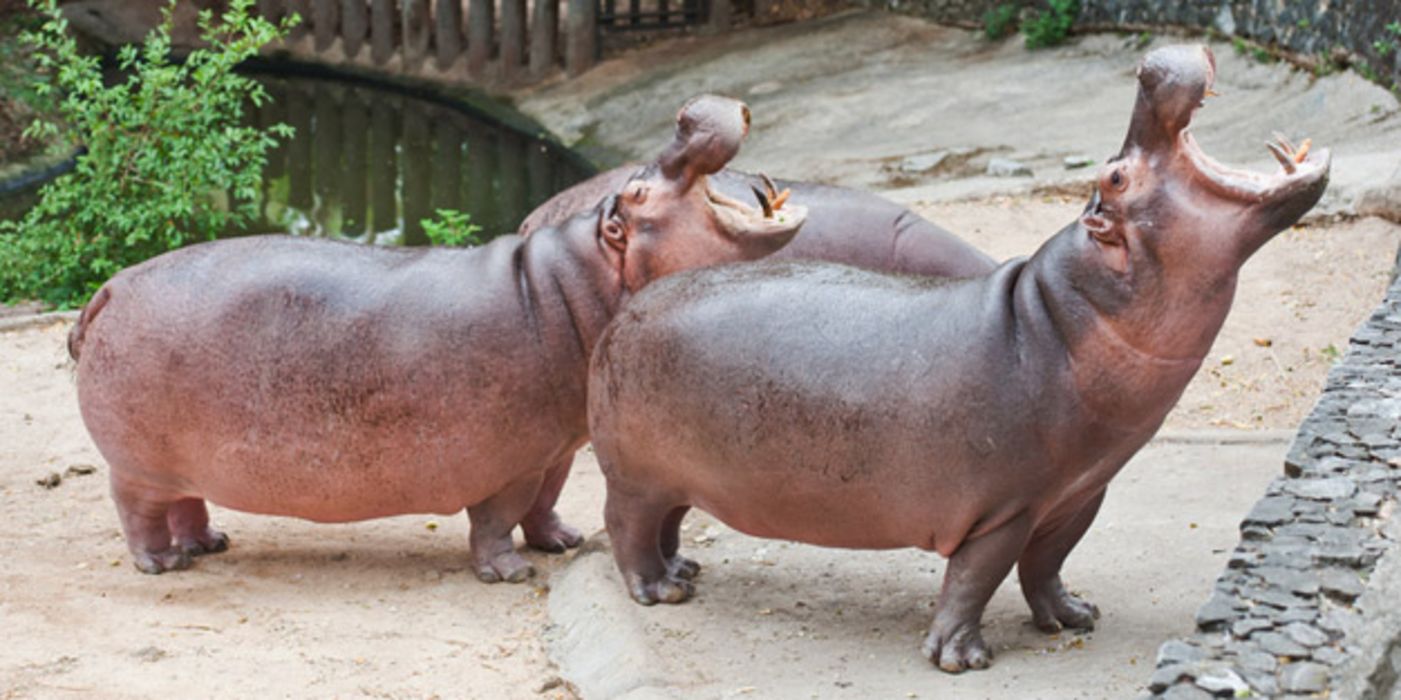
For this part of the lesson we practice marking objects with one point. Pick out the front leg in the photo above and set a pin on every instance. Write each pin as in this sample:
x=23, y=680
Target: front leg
x=1052, y=607
x=542, y=526
x=955, y=640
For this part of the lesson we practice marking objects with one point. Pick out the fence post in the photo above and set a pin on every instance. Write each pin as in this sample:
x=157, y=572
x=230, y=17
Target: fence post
x=481, y=15
x=381, y=30
x=581, y=45
x=416, y=32
x=544, y=32
x=324, y=22
x=352, y=26
x=719, y=20
x=512, y=38
x=447, y=22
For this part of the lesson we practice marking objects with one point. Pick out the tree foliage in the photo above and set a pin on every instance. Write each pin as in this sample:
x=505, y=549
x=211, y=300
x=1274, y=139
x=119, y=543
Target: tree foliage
x=168, y=161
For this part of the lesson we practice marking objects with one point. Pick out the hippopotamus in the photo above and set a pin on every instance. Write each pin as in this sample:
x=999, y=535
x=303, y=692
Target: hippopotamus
x=981, y=419
x=844, y=225
x=336, y=382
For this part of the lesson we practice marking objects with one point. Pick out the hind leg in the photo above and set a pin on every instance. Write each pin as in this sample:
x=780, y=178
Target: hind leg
x=494, y=556
x=188, y=519
x=676, y=564
x=635, y=525
x=542, y=527
x=144, y=522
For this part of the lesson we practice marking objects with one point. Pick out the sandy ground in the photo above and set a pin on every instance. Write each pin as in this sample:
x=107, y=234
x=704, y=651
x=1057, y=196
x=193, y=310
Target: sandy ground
x=388, y=609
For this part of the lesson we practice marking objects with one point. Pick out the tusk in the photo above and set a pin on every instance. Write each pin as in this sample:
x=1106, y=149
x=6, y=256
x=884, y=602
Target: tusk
x=763, y=202
x=768, y=185
x=781, y=198
x=1285, y=160
x=1303, y=151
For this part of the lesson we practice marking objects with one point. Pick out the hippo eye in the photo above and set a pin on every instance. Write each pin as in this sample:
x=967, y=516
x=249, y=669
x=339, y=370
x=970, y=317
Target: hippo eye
x=639, y=195
x=1116, y=178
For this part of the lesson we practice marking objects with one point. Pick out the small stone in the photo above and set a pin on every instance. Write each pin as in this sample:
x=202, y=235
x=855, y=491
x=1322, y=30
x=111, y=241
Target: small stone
x=1257, y=661
x=80, y=470
x=1297, y=615
x=1293, y=580
x=1329, y=655
x=1306, y=635
x=1186, y=692
x=1214, y=614
x=1344, y=554
x=1250, y=625
x=1177, y=652
x=1006, y=167
x=549, y=684
x=1341, y=584
x=1329, y=489
x=1077, y=161
x=1304, y=677
x=1168, y=675
x=923, y=162
x=1270, y=511
x=1222, y=682
x=1280, y=645
x=51, y=481
x=149, y=654
x=1366, y=503
x=1339, y=621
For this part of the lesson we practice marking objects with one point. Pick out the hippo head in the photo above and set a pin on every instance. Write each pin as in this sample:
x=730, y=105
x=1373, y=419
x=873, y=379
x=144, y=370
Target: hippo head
x=667, y=218
x=1168, y=227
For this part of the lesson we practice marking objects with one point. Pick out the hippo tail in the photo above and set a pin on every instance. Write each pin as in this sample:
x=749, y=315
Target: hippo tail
x=89, y=312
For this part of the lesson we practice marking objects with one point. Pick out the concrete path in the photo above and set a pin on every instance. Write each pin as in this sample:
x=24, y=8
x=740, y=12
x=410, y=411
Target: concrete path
x=774, y=619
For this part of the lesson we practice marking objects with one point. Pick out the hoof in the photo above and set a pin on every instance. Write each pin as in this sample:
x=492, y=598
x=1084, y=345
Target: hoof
x=161, y=562
x=554, y=537
x=1064, y=611
x=960, y=651
x=509, y=567
x=212, y=542
x=683, y=568
x=667, y=589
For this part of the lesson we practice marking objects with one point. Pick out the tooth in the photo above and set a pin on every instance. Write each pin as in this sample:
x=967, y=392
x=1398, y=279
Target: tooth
x=763, y=202
x=781, y=198
x=1288, y=147
x=1285, y=161
x=768, y=184
x=1303, y=151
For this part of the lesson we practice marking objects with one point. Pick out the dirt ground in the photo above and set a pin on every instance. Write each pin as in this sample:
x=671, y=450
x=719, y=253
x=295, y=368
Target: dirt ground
x=388, y=609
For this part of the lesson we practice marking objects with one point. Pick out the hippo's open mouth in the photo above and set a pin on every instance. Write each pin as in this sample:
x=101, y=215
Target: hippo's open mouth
x=771, y=216
x=1301, y=168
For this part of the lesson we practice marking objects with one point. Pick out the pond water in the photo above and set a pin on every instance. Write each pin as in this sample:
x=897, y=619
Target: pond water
x=369, y=164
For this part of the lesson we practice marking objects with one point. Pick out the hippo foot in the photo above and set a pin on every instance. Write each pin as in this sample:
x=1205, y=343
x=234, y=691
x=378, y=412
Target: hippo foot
x=211, y=542
x=667, y=589
x=507, y=566
x=682, y=568
x=551, y=535
x=957, y=650
x=172, y=559
x=1060, y=609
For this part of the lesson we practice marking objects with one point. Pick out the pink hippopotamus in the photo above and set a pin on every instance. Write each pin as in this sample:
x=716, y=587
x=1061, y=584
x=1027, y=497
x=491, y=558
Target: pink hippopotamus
x=337, y=382
x=981, y=419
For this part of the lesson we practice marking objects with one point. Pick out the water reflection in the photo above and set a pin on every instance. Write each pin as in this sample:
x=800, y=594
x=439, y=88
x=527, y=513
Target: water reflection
x=369, y=165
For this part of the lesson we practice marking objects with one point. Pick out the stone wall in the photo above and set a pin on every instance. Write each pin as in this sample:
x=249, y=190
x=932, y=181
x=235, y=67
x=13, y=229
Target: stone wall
x=1344, y=30
x=1311, y=598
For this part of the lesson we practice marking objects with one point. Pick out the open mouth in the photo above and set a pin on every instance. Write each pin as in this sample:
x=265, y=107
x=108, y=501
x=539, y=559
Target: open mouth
x=773, y=213
x=1301, y=167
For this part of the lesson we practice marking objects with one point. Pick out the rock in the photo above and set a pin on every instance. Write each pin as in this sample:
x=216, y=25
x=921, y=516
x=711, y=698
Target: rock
x=1306, y=635
x=923, y=162
x=1280, y=645
x=1382, y=200
x=1215, y=612
x=149, y=654
x=1168, y=675
x=1178, y=652
x=1077, y=161
x=1006, y=167
x=1329, y=489
x=1340, y=622
x=1274, y=510
x=1186, y=692
x=1250, y=625
x=1223, y=682
x=1257, y=661
x=1303, y=677
x=51, y=481
x=1302, y=582
x=80, y=470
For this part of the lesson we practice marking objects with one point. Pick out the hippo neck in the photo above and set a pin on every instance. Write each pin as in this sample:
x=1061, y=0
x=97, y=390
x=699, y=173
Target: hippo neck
x=1124, y=385
x=571, y=291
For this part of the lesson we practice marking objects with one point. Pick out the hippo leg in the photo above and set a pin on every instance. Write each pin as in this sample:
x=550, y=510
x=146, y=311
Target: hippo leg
x=1052, y=607
x=542, y=527
x=144, y=522
x=676, y=565
x=955, y=640
x=494, y=556
x=188, y=519
x=635, y=524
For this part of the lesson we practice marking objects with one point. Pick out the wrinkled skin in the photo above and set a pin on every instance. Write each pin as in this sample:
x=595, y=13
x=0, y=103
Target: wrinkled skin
x=981, y=419
x=336, y=382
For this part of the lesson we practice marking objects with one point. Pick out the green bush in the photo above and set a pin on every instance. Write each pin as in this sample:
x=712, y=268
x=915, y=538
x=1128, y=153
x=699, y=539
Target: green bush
x=452, y=228
x=167, y=161
x=1050, y=26
x=1000, y=21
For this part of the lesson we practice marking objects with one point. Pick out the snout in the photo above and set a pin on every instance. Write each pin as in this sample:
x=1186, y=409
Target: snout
x=709, y=131
x=1172, y=83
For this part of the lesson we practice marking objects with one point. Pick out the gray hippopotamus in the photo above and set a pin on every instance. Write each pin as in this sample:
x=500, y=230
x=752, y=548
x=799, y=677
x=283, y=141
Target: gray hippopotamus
x=337, y=382
x=844, y=225
x=981, y=419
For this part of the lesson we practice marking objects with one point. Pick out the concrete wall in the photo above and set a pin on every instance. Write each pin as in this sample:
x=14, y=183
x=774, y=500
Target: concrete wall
x=1309, y=29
